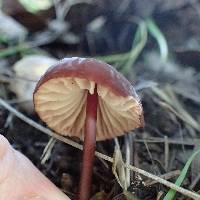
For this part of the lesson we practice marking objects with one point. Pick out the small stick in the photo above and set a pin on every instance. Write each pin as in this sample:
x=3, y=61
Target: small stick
x=187, y=141
x=166, y=152
x=166, y=176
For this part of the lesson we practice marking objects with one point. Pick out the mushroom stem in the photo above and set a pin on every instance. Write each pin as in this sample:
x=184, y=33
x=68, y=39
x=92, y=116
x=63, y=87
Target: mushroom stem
x=88, y=146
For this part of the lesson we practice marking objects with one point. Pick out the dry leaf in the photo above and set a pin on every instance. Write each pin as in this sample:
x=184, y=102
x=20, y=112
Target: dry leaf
x=118, y=168
x=99, y=196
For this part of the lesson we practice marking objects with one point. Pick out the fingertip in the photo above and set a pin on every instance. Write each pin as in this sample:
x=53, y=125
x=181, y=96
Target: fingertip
x=4, y=144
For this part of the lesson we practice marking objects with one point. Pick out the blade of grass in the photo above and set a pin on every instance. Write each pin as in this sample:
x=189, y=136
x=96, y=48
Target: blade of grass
x=160, y=38
x=171, y=193
x=129, y=58
x=139, y=42
x=14, y=50
x=26, y=46
x=115, y=57
x=47, y=150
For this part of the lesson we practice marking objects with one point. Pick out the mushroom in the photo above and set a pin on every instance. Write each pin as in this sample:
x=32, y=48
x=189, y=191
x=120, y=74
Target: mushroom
x=89, y=99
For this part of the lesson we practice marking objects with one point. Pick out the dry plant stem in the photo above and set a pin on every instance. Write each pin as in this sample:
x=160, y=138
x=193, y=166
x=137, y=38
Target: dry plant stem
x=47, y=131
x=88, y=146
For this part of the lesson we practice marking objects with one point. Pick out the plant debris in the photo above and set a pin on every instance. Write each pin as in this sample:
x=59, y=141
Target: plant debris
x=155, y=46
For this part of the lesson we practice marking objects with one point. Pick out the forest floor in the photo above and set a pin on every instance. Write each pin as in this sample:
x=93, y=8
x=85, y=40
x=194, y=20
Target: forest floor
x=155, y=44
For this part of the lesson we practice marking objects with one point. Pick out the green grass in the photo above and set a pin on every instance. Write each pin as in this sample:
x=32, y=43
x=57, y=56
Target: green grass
x=126, y=60
x=171, y=193
x=159, y=37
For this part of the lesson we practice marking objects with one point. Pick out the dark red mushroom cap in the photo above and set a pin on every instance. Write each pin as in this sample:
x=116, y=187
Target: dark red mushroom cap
x=60, y=98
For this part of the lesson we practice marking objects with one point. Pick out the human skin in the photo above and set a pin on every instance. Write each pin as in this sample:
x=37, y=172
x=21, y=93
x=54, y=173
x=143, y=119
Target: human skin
x=21, y=180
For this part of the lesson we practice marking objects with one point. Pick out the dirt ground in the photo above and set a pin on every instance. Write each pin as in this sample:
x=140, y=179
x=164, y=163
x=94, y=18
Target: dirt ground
x=156, y=45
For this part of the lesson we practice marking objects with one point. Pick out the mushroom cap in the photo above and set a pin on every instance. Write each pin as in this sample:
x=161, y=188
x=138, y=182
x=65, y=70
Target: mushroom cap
x=60, y=98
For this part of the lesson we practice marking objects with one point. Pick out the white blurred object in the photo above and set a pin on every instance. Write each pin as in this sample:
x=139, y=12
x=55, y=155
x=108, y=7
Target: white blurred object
x=28, y=71
x=10, y=29
x=36, y=6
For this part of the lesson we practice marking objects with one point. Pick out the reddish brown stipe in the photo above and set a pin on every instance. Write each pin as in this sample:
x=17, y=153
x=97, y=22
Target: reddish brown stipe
x=88, y=146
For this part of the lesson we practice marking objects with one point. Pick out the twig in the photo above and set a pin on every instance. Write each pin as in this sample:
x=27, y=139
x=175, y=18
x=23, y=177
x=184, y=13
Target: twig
x=47, y=150
x=159, y=195
x=128, y=154
x=166, y=176
x=166, y=152
x=29, y=121
x=187, y=141
x=149, y=153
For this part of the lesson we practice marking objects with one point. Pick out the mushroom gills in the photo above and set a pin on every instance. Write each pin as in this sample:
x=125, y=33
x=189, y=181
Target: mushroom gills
x=61, y=103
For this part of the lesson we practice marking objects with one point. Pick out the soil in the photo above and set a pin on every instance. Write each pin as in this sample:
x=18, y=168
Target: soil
x=169, y=91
